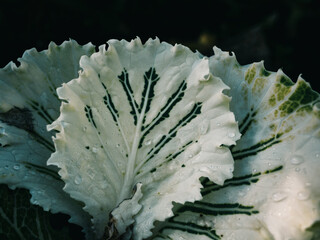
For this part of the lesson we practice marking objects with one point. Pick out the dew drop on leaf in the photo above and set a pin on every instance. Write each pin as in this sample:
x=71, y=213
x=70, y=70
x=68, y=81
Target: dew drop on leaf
x=231, y=135
x=94, y=149
x=279, y=196
x=35, y=202
x=204, y=127
x=77, y=180
x=148, y=142
x=303, y=195
x=296, y=160
x=16, y=167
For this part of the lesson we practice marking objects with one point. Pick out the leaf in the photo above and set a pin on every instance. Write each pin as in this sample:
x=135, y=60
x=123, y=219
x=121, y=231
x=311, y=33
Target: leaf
x=149, y=114
x=274, y=193
x=28, y=102
x=19, y=219
x=123, y=215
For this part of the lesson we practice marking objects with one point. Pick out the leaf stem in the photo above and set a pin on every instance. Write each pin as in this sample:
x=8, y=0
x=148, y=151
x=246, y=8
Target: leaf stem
x=130, y=170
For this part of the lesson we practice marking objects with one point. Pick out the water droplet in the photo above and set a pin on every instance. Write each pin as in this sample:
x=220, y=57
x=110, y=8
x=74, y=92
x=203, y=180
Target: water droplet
x=303, y=195
x=148, y=142
x=231, y=135
x=84, y=129
x=201, y=222
x=118, y=145
x=77, y=180
x=297, y=169
x=190, y=155
x=204, y=127
x=317, y=155
x=279, y=196
x=308, y=184
x=94, y=149
x=90, y=173
x=35, y=202
x=296, y=160
x=269, y=164
x=40, y=192
x=16, y=167
x=218, y=124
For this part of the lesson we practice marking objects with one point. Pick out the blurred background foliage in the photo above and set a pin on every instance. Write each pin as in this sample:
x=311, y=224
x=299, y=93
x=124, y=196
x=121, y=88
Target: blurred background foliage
x=283, y=33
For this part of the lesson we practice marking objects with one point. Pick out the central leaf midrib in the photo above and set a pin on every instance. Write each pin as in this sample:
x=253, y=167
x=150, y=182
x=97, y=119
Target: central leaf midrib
x=130, y=169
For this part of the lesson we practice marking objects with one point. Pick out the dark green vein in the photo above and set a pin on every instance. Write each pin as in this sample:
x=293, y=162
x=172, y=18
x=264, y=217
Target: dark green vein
x=43, y=170
x=175, y=98
x=247, y=121
x=150, y=80
x=172, y=133
x=254, y=149
x=38, y=138
x=235, y=181
x=41, y=111
x=107, y=100
x=52, y=87
x=190, y=228
x=124, y=80
x=213, y=209
x=22, y=119
x=172, y=156
x=89, y=115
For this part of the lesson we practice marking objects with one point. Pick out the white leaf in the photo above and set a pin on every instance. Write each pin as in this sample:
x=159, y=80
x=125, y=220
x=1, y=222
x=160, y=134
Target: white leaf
x=123, y=216
x=150, y=114
x=28, y=102
x=275, y=191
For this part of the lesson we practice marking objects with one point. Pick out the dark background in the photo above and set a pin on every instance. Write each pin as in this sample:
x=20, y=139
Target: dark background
x=283, y=33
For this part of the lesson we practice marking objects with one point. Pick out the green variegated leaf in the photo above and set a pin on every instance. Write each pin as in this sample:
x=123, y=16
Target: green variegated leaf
x=142, y=113
x=28, y=102
x=275, y=191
